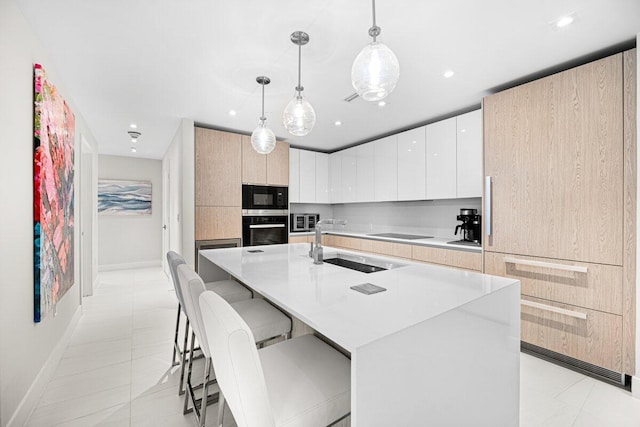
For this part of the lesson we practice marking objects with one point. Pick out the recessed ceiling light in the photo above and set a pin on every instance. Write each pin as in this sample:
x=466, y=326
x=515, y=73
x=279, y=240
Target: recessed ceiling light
x=338, y=123
x=133, y=126
x=382, y=104
x=232, y=112
x=463, y=130
x=564, y=21
x=447, y=74
x=133, y=149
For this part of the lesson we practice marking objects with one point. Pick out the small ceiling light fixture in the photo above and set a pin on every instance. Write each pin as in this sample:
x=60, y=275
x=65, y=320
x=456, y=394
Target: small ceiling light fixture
x=133, y=126
x=299, y=117
x=564, y=21
x=133, y=149
x=375, y=71
x=134, y=135
x=232, y=112
x=381, y=103
x=263, y=139
x=338, y=123
x=448, y=74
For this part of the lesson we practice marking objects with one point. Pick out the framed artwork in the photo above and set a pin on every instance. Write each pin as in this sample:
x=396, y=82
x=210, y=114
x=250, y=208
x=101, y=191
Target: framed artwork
x=124, y=197
x=53, y=195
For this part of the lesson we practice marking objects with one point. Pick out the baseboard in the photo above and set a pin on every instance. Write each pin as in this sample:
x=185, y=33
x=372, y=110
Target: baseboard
x=33, y=395
x=635, y=387
x=128, y=265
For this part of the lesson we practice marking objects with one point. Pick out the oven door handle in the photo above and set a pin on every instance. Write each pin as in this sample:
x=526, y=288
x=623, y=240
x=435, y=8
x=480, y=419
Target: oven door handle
x=267, y=226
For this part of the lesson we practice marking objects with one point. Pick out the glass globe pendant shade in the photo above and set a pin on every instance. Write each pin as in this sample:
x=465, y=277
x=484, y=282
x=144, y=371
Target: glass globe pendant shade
x=375, y=72
x=263, y=139
x=299, y=117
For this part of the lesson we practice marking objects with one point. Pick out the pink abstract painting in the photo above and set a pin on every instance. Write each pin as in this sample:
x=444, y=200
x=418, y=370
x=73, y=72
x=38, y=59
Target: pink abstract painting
x=54, y=130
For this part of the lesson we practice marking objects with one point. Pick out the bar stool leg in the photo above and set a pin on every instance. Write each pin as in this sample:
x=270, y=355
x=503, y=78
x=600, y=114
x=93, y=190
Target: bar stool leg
x=177, y=352
x=181, y=388
x=220, y=420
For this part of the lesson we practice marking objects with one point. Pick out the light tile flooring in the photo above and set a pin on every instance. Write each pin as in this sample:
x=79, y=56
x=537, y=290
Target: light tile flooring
x=116, y=370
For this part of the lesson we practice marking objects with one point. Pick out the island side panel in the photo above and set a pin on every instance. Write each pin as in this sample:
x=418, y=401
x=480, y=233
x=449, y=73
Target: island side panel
x=459, y=368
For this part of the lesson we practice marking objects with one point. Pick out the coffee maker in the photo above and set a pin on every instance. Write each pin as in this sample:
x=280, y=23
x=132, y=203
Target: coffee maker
x=471, y=227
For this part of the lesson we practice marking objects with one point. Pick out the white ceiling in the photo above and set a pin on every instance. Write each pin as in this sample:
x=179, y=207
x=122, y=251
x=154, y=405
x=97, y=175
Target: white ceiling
x=154, y=62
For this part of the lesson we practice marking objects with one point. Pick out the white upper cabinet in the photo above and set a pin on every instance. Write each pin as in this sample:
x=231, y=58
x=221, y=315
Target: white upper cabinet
x=294, y=175
x=469, y=164
x=335, y=177
x=307, y=176
x=385, y=167
x=364, y=172
x=411, y=164
x=322, y=178
x=349, y=175
x=441, y=160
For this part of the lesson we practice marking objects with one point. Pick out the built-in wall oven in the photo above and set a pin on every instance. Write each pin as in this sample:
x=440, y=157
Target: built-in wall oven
x=265, y=215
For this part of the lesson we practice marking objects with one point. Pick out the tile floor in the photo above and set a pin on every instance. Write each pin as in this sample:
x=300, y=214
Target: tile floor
x=117, y=371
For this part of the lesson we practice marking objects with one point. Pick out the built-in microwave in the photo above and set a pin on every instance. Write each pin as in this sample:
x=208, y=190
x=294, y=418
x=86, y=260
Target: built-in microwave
x=263, y=197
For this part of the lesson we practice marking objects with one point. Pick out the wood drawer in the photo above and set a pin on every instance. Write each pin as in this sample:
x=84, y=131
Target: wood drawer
x=399, y=250
x=596, y=339
x=301, y=239
x=342, y=242
x=448, y=257
x=599, y=288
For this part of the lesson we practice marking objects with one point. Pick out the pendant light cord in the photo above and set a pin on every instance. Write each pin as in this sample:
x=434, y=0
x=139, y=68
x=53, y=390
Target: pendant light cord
x=374, y=31
x=299, y=88
x=262, y=117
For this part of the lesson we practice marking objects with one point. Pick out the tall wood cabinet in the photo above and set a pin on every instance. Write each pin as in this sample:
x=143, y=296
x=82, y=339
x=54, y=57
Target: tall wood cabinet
x=560, y=176
x=218, y=184
x=261, y=169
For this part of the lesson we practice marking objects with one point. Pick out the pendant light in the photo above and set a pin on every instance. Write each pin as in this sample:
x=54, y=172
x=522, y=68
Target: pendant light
x=375, y=71
x=299, y=116
x=262, y=139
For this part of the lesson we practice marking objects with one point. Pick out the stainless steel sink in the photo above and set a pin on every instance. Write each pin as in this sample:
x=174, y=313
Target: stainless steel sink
x=363, y=264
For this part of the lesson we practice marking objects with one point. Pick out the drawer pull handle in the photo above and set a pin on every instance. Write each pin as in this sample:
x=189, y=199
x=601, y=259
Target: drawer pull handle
x=576, y=268
x=553, y=309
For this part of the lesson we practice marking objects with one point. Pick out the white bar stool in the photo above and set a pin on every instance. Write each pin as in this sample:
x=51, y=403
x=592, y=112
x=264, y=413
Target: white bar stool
x=265, y=321
x=299, y=382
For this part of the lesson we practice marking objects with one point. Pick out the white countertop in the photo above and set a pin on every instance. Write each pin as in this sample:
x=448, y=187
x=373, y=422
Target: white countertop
x=435, y=241
x=320, y=295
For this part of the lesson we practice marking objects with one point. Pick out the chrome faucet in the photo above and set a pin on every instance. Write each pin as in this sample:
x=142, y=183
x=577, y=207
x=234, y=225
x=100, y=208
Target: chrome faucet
x=316, y=252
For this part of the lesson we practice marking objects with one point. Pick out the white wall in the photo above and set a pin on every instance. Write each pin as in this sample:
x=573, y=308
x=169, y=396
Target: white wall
x=636, y=379
x=131, y=241
x=29, y=352
x=179, y=162
x=434, y=217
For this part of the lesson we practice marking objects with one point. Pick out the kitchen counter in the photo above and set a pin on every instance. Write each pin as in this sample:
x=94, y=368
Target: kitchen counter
x=440, y=242
x=433, y=331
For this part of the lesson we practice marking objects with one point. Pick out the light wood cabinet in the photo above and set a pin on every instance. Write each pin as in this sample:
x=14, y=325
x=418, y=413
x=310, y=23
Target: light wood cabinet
x=412, y=167
x=218, y=222
x=218, y=166
x=265, y=169
x=448, y=257
x=589, y=335
x=301, y=239
x=441, y=160
x=553, y=149
x=469, y=155
x=398, y=250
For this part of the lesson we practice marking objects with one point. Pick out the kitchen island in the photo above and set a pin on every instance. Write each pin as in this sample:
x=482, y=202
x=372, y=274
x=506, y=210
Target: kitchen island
x=439, y=346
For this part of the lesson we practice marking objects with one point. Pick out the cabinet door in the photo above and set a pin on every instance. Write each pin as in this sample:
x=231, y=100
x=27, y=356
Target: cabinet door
x=412, y=164
x=218, y=168
x=386, y=169
x=553, y=150
x=254, y=164
x=335, y=177
x=349, y=175
x=322, y=178
x=307, y=176
x=469, y=154
x=218, y=222
x=364, y=172
x=278, y=165
x=441, y=159
x=294, y=175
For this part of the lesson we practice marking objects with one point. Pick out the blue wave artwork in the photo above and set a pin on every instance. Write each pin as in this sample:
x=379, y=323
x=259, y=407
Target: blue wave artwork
x=124, y=197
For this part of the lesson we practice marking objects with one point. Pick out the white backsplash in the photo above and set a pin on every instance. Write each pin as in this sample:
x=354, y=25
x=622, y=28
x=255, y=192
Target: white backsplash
x=431, y=217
